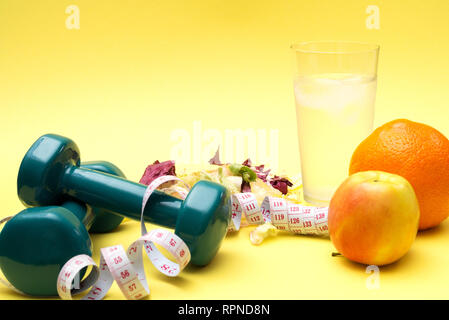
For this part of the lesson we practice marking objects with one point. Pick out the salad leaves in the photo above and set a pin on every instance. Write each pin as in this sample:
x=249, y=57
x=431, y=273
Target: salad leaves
x=235, y=177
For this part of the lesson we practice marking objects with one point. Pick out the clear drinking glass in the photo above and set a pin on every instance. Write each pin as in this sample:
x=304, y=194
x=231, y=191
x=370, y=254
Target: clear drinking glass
x=335, y=89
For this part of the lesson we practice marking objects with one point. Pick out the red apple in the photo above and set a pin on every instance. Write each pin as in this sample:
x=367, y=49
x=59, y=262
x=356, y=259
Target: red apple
x=374, y=217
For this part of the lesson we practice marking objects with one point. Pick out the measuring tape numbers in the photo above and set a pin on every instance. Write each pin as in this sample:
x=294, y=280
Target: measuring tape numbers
x=126, y=267
x=284, y=215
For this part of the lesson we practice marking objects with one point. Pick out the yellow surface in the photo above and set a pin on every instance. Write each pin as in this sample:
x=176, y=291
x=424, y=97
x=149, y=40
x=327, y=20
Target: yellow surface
x=136, y=71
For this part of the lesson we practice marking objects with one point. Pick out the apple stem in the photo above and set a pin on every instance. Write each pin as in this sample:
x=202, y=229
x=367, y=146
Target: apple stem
x=336, y=254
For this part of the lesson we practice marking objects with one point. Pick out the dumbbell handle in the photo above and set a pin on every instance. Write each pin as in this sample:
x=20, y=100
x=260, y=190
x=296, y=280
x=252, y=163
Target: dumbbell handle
x=81, y=211
x=125, y=197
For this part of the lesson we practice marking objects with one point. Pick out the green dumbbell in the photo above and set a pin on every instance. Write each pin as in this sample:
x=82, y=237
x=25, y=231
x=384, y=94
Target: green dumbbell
x=50, y=172
x=37, y=242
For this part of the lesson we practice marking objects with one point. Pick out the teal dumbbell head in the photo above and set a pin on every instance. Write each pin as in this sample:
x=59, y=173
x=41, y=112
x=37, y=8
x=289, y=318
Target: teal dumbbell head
x=37, y=242
x=50, y=173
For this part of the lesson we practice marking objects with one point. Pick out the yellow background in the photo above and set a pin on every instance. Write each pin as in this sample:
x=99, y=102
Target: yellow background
x=137, y=70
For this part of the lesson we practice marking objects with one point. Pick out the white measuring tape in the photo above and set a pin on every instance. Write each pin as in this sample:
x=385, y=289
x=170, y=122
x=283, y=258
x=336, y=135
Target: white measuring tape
x=126, y=268
x=284, y=215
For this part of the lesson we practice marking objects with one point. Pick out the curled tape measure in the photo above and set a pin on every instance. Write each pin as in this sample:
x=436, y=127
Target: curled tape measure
x=126, y=268
x=282, y=214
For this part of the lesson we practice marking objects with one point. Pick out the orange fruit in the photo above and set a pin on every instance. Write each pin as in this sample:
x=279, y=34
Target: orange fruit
x=417, y=152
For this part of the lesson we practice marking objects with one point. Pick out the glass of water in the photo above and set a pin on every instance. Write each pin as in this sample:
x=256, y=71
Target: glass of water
x=335, y=89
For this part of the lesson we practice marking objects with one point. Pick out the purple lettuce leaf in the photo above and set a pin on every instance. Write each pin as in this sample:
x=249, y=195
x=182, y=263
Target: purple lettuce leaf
x=245, y=187
x=156, y=170
x=216, y=158
x=247, y=163
x=281, y=184
x=259, y=170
